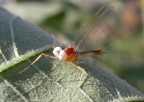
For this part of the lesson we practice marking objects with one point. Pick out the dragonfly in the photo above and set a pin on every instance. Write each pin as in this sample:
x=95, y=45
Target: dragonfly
x=71, y=54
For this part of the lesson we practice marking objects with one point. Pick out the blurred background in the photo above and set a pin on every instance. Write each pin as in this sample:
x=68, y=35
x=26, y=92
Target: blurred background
x=113, y=26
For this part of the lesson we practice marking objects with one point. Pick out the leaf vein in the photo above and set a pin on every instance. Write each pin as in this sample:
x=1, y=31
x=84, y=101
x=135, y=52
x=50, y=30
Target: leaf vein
x=3, y=55
x=13, y=37
x=14, y=89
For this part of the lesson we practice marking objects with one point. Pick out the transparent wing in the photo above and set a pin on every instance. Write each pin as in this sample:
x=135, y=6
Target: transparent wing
x=94, y=30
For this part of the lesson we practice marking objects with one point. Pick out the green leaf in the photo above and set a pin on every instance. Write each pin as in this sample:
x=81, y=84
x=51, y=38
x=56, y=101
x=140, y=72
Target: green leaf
x=49, y=79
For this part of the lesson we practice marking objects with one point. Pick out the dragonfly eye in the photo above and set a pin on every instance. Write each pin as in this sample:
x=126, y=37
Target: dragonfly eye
x=56, y=50
x=62, y=54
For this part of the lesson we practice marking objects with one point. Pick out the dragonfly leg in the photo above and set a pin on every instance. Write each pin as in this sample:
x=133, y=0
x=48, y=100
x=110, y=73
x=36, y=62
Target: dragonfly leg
x=42, y=54
x=83, y=70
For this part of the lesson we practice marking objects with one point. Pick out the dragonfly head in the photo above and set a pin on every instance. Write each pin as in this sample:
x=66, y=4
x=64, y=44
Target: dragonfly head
x=59, y=53
x=62, y=55
x=56, y=51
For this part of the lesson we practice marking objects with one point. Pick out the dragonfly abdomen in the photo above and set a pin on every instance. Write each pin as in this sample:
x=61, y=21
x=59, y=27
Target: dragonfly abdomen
x=88, y=53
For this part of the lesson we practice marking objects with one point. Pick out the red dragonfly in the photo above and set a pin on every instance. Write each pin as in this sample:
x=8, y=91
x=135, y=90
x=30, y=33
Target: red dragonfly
x=69, y=54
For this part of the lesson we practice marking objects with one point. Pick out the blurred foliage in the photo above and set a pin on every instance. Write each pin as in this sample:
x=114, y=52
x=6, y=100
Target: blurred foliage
x=33, y=0
x=119, y=32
